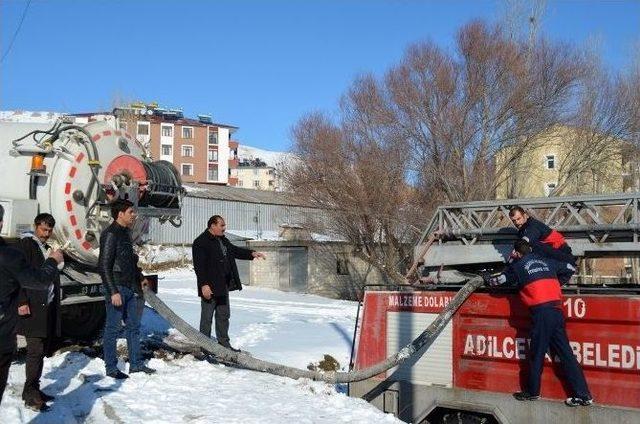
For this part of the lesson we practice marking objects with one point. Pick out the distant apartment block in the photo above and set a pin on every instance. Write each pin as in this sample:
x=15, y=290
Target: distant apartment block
x=201, y=150
x=254, y=174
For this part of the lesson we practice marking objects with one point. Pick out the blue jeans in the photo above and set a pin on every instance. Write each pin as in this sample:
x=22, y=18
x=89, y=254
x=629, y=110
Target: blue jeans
x=131, y=313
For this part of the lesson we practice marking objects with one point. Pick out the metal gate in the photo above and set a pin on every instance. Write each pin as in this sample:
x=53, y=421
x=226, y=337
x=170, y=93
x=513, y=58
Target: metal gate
x=292, y=268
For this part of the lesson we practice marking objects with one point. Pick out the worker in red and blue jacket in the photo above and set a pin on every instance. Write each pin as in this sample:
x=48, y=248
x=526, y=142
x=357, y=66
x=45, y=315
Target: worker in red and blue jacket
x=537, y=280
x=544, y=240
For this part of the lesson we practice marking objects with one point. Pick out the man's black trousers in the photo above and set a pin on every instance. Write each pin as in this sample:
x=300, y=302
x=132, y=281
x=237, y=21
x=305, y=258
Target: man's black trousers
x=548, y=330
x=36, y=350
x=219, y=305
x=5, y=363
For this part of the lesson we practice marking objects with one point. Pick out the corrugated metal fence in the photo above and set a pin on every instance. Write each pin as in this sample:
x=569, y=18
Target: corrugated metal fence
x=239, y=216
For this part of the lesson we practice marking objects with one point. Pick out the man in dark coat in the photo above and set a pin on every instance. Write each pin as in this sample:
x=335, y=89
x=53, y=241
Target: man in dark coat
x=214, y=261
x=15, y=272
x=39, y=312
x=544, y=240
x=123, y=282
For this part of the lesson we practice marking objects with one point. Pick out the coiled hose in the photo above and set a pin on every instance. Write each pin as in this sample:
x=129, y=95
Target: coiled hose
x=165, y=185
x=425, y=339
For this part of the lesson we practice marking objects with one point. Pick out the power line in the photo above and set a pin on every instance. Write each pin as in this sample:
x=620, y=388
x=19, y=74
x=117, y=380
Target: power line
x=15, y=34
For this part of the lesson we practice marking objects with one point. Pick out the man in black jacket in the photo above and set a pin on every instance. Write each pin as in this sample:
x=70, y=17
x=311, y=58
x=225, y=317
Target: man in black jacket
x=123, y=282
x=217, y=274
x=15, y=272
x=39, y=312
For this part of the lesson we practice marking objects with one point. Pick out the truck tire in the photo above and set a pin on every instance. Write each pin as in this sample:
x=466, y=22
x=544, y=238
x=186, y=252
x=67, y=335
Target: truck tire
x=83, y=321
x=458, y=416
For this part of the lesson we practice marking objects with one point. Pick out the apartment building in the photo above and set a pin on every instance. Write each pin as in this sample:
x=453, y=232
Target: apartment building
x=201, y=150
x=565, y=161
x=254, y=174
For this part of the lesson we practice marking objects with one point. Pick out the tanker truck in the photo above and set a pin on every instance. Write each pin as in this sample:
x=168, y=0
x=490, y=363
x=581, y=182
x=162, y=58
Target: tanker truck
x=73, y=171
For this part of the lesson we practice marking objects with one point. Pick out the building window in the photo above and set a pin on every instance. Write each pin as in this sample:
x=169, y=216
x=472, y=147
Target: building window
x=213, y=137
x=143, y=128
x=187, y=169
x=212, y=174
x=187, y=132
x=122, y=126
x=232, y=154
x=255, y=171
x=187, y=151
x=167, y=150
x=548, y=188
x=551, y=161
x=239, y=184
x=271, y=183
x=167, y=131
x=342, y=267
x=213, y=155
x=256, y=183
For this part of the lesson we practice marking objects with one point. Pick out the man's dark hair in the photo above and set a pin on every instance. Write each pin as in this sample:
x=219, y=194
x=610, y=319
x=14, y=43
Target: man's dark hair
x=46, y=219
x=214, y=220
x=522, y=246
x=1, y=213
x=118, y=206
x=515, y=209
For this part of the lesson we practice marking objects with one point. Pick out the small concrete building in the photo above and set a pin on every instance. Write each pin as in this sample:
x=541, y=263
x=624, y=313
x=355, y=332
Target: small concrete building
x=272, y=222
x=302, y=262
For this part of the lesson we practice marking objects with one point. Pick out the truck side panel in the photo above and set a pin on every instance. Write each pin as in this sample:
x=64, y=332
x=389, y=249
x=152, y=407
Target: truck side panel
x=491, y=346
x=490, y=342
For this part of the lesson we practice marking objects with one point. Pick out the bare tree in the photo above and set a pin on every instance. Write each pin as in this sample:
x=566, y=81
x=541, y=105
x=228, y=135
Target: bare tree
x=358, y=177
x=522, y=19
x=460, y=111
x=441, y=126
x=596, y=138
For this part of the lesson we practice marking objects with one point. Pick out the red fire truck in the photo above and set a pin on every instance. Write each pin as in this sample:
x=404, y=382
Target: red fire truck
x=479, y=360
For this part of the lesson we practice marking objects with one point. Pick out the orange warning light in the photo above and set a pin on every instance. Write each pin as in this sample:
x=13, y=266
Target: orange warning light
x=37, y=163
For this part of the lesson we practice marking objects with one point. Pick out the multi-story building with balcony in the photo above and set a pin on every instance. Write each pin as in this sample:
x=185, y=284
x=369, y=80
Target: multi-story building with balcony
x=200, y=149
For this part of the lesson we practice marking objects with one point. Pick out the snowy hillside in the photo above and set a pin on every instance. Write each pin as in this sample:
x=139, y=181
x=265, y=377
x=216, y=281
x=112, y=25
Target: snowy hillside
x=289, y=328
x=271, y=158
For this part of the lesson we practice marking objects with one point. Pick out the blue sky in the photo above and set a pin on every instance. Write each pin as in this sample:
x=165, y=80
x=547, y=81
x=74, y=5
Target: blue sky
x=258, y=65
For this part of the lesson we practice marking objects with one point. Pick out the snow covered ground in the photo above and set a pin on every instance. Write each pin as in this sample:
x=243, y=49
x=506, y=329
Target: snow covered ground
x=289, y=328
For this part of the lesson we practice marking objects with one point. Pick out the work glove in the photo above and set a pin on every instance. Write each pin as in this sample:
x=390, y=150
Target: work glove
x=493, y=280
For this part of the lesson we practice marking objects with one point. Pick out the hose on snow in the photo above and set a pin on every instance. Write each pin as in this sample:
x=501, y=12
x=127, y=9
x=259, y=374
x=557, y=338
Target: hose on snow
x=424, y=340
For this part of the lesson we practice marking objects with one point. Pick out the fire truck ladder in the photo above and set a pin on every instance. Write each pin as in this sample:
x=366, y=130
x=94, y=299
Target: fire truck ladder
x=481, y=232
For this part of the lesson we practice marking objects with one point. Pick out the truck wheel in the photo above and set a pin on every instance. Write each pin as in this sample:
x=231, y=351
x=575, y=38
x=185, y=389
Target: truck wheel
x=461, y=417
x=82, y=321
x=456, y=416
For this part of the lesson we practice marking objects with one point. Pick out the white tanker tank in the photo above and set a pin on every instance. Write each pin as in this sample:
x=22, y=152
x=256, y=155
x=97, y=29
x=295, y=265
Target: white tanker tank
x=74, y=171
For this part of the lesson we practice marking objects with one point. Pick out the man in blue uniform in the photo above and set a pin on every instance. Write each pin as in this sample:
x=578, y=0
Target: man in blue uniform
x=536, y=278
